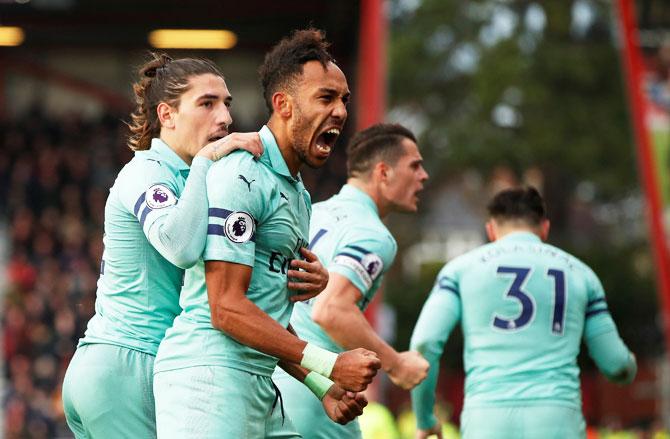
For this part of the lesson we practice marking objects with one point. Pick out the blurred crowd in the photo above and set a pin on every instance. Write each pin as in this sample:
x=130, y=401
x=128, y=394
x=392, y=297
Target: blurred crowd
x=54, y=178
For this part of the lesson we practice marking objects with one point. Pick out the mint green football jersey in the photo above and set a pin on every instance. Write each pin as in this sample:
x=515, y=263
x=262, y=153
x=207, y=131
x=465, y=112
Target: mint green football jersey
x=137, y=296
x=258, y=216
x=524, y=307
x=350, y=239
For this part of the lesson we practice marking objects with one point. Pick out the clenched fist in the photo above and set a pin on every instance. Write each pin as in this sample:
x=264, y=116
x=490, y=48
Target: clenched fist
x=409, y=370
x=355, y=369
x=341, y=406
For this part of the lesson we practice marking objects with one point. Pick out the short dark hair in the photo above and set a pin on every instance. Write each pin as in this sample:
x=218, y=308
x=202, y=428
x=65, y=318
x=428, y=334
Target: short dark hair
x=380, y=142
x=284, y=62
x=518, y=204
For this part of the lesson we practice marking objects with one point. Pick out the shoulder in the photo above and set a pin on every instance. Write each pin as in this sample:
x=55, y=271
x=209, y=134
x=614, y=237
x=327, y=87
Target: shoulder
x=371, y=240
x=569, y=261
x=578, y=266
x=234, y=163
x=238, y=170
x=470, y=260
x=145, y=170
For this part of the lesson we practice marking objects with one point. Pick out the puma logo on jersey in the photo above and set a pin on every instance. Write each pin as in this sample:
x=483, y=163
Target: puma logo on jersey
x=244, y=179
x=281, y=194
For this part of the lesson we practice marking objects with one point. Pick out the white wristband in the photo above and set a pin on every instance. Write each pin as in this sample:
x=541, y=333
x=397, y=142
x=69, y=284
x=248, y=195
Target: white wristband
x=318, y=360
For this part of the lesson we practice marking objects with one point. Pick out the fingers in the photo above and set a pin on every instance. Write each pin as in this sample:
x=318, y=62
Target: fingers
x=304, y=287
x=338, y=416
x=361, y=400
x=308, y=266
x=346, y=411
x=303, y=276
x=303, y=297
x=348, y=408
x=308, y=254
x=375, y=362
x=351, y=409
x=311, y=274
x=222, y=147
x=302, y=281
x=248, y=141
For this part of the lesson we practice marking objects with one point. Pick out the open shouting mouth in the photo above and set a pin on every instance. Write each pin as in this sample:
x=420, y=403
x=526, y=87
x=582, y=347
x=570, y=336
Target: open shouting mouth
x=326, y=140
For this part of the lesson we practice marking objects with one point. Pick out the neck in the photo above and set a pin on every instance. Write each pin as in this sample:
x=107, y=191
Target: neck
x=497, y=231
x=171, y=141
x=504, y=231
x=373, y=192
x=285, y=143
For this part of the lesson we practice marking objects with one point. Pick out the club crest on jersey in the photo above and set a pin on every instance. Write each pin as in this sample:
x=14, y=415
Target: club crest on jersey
x=159, y=196
x=239, y=227
x=373, y=265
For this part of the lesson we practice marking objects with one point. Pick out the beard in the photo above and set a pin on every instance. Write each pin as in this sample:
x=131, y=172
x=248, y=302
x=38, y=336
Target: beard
x=300, y=138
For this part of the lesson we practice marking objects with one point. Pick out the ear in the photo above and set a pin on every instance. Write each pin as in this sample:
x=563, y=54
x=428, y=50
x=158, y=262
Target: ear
x=381, y=171
x=282, y=104
x=491, y=230
x=166, y=115
x=544, y=229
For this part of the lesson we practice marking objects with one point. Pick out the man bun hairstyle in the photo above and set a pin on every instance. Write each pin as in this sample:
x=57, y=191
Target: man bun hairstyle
x=283, y=64
x=518, y=204
x=380, y=142
x=161, y=79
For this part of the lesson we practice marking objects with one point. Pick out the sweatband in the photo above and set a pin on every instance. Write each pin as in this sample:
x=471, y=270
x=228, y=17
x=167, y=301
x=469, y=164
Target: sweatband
x=318, y=384
x=318, y=360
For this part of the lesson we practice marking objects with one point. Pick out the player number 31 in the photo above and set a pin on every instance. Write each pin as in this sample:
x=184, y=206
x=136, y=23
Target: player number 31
x=527, y=304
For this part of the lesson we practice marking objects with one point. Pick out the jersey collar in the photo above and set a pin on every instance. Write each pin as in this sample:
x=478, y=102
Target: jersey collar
x=353, y=193
x=165, y=152
x=272, y=155
x=520, y=236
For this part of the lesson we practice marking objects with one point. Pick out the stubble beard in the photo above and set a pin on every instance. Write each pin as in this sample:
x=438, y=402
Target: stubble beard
x=300, y=142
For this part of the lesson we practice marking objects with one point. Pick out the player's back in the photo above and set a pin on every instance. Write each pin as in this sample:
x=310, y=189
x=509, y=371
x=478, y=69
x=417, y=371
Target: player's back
x=523, y=309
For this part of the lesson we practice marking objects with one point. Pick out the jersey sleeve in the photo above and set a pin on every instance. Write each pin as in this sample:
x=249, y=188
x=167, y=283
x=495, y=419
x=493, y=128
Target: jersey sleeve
x=602, y=339
x=175, y=226
x=597, y=317
x=237, y=203
x=363, y=258
x=439, y=316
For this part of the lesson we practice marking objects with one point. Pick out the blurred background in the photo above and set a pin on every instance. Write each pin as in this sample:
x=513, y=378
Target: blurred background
x=571, y=96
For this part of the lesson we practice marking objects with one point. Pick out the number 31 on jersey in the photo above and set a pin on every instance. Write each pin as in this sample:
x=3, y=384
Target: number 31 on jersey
x=516, y=292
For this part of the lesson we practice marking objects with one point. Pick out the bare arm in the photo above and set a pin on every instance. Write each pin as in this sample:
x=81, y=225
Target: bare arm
x=233, y=313
x=335, y=310
x=236, y=315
